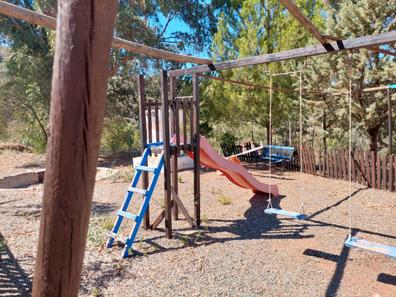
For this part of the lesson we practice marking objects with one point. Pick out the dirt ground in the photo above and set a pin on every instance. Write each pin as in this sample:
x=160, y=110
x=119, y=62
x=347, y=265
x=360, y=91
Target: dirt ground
x=239, y=251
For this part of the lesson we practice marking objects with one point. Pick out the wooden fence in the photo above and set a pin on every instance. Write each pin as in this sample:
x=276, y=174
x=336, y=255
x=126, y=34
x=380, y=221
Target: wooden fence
x=373, y=171
x=366, y=168
x=237, y=149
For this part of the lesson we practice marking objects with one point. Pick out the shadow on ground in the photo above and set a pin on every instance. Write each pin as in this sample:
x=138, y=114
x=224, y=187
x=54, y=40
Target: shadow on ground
x=30, y=165
x=254, y=225
x=257, y=225
x=14, y=281
x=117, y=159
x=99, y=209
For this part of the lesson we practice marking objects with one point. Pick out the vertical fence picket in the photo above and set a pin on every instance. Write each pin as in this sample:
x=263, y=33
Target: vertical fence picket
x=354, y=165
x=150, y=123
x=191, y=109
x=157, y=136
x=320, y=163
x=344, y=174
x=372, y=168
x=363, y=169
x=394, y=172
x=384, y=175
x=185, y=118
x=368, y=173
x=390, y=171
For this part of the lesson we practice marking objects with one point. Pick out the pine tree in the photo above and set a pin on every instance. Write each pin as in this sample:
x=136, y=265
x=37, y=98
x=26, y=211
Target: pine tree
x=252, y=28
x=369, y=69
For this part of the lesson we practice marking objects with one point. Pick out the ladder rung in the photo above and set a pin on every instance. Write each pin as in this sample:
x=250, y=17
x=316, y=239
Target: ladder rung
x=137, y=190
x=126, y=215
x=146, y=168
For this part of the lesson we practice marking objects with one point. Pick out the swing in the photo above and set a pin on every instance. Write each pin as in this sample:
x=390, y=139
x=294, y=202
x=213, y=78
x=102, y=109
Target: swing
x=351, y=241
x=370, y=246
x=270, y=209
x=285, y=213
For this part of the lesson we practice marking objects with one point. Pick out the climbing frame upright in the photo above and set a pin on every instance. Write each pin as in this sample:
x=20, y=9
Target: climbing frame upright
x=173, y=120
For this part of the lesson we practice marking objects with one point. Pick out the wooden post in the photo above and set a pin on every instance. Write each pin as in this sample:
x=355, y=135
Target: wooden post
x=143, y=139
x=175, y=115
x=79, y=83
x=390, y=123
x=185, y=115
x=167, y=154
x=197, y=167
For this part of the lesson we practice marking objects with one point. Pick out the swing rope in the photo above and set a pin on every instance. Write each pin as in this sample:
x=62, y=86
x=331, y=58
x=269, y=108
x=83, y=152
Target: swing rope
x=350, y=144
x=300, y=144
x=270, y=143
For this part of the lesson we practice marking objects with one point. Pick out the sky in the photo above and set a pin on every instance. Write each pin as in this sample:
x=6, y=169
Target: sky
x=178, y=25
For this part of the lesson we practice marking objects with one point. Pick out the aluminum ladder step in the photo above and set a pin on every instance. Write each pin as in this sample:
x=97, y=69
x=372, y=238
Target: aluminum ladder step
x=137, y=190
x=126, y=215
x=146, y=168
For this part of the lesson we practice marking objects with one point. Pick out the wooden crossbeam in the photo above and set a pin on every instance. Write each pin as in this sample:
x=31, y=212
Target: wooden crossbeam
x=158, y=220
x=372, y=48
x=182, y=208
x=299, y=16
x=161, y=215
x=323, y=39
x=348, y=44
x=46, y=21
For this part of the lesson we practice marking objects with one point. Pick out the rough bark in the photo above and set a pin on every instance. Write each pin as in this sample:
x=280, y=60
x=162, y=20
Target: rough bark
x=79, y=82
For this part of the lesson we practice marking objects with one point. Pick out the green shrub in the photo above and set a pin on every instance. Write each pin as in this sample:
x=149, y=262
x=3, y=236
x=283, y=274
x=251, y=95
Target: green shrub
x=27, y=133
x=119, y=135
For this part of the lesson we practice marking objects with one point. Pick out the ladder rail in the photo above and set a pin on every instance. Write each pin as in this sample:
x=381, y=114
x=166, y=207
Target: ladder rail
x=147, y=195
x=127, y=198
x=143, y=208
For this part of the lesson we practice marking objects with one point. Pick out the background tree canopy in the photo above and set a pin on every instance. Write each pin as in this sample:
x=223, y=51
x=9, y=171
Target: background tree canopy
x=221, y=29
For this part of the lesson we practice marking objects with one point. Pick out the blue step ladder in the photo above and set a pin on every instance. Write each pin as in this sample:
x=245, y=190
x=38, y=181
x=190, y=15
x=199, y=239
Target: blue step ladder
x=132, y=191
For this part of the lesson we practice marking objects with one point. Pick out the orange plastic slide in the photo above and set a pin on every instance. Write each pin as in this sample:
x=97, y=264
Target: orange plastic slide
x=236, y=173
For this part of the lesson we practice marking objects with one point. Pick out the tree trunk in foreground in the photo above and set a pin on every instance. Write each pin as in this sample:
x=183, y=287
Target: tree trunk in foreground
x=79, y=83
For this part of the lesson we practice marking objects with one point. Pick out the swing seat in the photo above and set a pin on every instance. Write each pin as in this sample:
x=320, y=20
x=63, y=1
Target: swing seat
x=285, y=213
x=378, y=248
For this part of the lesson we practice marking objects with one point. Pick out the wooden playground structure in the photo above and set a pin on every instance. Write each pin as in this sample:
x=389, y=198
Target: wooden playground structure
x=77, y=112
x=174, y=117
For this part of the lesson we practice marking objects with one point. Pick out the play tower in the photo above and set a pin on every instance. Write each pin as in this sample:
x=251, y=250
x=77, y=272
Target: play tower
x=176, y=123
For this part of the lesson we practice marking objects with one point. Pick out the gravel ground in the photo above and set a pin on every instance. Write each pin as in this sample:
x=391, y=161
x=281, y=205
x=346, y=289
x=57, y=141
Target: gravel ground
x=239, y=251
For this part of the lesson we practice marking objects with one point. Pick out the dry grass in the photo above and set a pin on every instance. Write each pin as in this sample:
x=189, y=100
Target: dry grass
x=224, y=200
